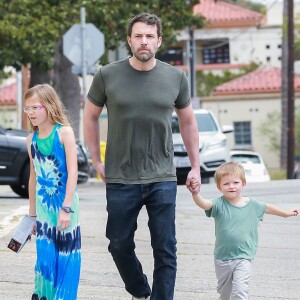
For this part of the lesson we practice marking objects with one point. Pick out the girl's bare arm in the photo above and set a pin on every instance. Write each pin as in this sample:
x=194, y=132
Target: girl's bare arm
x=32, y=180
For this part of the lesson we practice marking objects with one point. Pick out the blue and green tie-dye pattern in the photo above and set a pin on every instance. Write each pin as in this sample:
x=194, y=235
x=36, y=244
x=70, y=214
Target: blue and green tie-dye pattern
x=58, y=252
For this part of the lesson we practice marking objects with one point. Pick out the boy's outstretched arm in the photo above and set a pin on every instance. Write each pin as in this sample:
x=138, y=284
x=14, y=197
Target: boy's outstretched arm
x=273, y=210
x=203, y=203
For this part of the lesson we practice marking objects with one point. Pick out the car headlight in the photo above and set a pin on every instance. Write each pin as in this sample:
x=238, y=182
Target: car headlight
x=179, y=148
x=216, y=144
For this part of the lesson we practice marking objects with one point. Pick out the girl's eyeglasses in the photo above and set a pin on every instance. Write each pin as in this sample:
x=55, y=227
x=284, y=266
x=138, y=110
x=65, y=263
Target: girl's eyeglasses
x=28, y=109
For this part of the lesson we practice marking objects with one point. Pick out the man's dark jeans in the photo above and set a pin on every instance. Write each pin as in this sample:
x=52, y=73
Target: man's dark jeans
x=124, y=203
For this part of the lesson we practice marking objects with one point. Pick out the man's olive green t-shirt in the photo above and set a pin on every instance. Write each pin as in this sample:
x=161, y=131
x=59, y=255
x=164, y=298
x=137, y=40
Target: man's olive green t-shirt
x=139, y=106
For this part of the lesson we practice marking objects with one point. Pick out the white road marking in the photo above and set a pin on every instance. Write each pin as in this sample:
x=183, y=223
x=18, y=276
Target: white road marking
x=10, y=221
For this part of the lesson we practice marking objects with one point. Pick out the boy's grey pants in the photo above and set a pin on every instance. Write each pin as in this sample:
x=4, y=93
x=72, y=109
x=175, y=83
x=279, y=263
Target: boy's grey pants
x=233, y=278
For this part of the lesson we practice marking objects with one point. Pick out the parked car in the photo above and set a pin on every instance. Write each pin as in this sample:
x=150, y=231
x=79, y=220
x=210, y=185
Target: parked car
x=14, y=161
x=93, y=172
x=253, y=163
x=83, y=163
x=296, y=174
x=213, y=149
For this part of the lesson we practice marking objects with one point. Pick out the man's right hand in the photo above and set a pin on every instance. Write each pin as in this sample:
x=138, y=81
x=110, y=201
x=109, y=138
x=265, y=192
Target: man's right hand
x=100, y=168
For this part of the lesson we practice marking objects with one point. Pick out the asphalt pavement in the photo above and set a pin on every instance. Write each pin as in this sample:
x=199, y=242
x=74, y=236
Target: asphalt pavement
x=276, y=268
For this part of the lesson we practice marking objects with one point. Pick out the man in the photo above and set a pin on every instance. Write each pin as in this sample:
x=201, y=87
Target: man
x=140, y=93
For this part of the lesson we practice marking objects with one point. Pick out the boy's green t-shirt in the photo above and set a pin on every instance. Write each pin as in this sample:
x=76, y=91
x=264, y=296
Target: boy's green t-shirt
x=236, y=228
x=139, y=106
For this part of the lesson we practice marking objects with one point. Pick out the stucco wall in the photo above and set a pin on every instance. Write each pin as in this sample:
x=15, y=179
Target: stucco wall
x=254, y=108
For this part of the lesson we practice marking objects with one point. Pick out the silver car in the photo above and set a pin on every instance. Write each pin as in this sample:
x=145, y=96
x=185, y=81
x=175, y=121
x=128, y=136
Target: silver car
x=213, y=148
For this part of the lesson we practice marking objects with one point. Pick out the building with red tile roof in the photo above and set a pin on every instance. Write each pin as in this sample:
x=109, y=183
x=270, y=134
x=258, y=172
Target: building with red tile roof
x=233, y=37
x=248, y=103
x=8, y=94
x=265, y=79
x=221, y=14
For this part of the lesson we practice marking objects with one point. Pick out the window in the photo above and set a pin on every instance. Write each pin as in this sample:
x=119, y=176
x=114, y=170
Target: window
x=205, y=123
x=244, y=158
x=216, y=54
x=242, y=134
x=172, y=56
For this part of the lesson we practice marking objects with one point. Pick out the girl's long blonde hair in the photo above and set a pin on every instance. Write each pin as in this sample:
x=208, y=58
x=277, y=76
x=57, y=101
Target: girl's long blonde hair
x=49, y=98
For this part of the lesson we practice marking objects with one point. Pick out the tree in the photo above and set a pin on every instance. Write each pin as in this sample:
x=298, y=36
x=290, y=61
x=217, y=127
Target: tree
x=31, y=32
x=270, y=129
x=249, y=5
x=206, y=82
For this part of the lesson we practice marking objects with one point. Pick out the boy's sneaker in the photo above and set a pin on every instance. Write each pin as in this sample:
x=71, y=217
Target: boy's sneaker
x=147, y=298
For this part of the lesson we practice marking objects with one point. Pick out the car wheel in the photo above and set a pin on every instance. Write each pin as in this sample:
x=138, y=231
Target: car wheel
x=22, y=189
x=181, y=180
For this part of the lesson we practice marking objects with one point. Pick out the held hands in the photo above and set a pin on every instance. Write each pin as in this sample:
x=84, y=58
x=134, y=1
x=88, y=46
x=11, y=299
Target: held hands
x=193, y=182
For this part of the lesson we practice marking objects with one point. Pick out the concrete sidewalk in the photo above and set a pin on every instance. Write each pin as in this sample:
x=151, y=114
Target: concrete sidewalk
x=276, y=273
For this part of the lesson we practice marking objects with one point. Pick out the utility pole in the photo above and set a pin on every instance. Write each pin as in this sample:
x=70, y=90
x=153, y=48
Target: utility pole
x=192, y=57
x=287, y=94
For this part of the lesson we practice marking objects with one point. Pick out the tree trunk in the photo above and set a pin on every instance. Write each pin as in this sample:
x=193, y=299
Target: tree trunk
x=38, y=76
x=67, y=86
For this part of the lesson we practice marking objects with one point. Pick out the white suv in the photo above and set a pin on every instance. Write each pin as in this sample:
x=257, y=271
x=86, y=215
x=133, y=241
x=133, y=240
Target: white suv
x=213, y=149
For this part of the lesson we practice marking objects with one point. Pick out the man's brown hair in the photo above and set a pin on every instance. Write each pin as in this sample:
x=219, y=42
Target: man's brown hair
x=149, y=19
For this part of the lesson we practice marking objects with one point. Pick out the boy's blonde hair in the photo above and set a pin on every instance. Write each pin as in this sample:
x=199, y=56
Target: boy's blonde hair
x=49, y=98
x=230, y=168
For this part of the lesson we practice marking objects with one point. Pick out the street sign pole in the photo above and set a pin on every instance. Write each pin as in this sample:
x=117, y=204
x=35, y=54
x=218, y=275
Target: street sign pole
x=83, y=51
x=83, y=44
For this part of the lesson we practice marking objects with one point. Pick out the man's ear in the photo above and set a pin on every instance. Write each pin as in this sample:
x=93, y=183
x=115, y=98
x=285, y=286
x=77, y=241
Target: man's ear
x=129, y=40
x=159, y=42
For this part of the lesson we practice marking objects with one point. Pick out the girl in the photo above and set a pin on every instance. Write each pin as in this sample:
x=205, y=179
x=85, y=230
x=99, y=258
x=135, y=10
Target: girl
x=53, y=197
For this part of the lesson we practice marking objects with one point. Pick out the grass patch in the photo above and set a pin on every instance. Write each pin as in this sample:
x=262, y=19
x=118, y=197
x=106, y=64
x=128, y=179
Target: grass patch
x=277, y=174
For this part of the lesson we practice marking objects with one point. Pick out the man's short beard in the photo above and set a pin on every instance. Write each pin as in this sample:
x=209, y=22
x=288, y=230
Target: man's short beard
x=144, y=57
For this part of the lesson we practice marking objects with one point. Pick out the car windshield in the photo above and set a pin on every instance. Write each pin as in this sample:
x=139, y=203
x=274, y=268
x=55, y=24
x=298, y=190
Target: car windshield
x=244, y=158
x=205, y=123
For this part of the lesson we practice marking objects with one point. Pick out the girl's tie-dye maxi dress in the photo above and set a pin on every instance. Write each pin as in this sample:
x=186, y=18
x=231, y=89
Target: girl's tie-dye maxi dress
x=57, y=269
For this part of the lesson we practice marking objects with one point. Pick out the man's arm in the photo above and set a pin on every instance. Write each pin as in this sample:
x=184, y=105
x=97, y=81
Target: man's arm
x=91, y=130
x=189, y=132
x=273, y=210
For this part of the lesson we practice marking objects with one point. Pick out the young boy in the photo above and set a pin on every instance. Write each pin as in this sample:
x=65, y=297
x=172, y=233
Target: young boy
x=236, y=229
